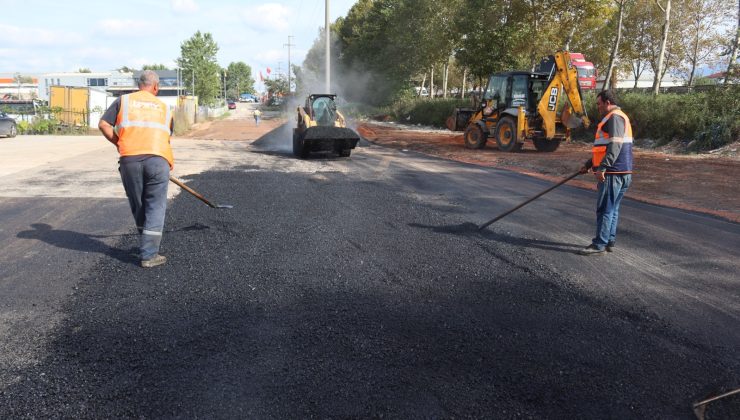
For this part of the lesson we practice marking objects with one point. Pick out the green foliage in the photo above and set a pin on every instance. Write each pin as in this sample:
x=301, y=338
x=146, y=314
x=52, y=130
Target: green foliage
x=239, y=79
x=198, y=61
x=424, y=111
x=277, y=86
x=154, y=67
x=24, y=127
x=705, y=120
x=84, y=70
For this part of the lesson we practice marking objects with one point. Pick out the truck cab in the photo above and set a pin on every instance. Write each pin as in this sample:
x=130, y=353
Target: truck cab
x=586, y=71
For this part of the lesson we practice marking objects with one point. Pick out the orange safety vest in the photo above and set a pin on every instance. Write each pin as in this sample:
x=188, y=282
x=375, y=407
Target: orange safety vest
x=623, y=164
x=143, y=126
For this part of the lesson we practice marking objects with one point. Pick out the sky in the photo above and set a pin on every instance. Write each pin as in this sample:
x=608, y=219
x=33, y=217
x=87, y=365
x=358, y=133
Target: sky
x=44, y=36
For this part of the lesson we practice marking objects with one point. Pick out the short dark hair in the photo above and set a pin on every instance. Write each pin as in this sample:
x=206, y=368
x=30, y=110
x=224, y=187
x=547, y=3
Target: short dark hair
x=608, y=96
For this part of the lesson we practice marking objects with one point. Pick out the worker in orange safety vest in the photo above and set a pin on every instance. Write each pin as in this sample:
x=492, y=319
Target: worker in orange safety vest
x=140, y=126
x=611, y=164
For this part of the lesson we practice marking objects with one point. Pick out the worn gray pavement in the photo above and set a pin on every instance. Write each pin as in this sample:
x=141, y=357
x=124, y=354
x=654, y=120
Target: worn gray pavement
x=359, y=288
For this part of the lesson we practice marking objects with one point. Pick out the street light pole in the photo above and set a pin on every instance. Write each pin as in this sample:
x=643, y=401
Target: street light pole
x=327, y=34
x=289, y=45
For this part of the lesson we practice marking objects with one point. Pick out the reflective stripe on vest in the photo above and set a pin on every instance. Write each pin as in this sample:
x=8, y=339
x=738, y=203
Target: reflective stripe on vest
x=623, y=163
x=143, y=126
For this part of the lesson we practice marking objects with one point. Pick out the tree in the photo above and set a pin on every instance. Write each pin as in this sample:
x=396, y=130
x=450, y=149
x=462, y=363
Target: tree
x=665, y=26
x=637, y=37
x=615, y=47
x=154, y=67
x=239, y=79
x=277, y=86
x=701, y=18
x=732, y=67
x=84, y=70
x=200, y=71
x=126, y=69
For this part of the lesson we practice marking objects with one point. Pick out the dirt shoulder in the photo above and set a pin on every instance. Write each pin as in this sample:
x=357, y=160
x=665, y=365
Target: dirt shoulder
x=705, y=183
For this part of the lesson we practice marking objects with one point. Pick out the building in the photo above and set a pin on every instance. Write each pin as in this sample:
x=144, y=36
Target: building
x=25, y=90
x=169, y=88
x=101, y=81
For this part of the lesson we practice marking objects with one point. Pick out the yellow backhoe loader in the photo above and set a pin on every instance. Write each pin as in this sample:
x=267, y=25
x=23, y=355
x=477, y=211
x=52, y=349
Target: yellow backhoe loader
x=519, y=105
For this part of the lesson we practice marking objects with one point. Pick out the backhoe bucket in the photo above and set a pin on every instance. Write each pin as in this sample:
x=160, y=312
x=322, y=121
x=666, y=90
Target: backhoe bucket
x=459, y=119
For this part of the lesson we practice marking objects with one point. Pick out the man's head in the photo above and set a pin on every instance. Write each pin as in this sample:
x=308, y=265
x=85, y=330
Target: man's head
x=606, y=101
x=149, y=81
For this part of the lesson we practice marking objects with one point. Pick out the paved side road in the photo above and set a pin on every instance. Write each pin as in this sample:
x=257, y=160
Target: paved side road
x=357, y=288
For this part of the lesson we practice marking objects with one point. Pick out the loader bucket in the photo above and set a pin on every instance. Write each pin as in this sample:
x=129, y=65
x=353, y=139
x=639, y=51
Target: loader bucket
x=330, y=138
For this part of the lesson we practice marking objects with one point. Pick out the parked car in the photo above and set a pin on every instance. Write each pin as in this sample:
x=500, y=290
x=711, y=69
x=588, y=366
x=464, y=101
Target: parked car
x=247, y=97
x=8, y=126
x=231, y=104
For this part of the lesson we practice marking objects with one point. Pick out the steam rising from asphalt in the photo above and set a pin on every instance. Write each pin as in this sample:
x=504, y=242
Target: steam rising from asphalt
x=349, y=84
x=279, y=139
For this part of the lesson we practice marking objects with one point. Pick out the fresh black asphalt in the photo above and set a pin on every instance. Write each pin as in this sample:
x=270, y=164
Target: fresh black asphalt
x=337, y=296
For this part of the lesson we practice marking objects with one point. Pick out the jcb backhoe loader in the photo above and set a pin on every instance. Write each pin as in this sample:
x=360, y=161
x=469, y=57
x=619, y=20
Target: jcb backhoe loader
x=519, y=105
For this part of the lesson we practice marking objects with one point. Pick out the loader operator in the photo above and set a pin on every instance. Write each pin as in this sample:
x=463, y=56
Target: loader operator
x=611, y=163
x=140, y=126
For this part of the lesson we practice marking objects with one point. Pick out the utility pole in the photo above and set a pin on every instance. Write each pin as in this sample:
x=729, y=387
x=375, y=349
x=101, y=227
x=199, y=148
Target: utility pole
x=327, y=34
x=224, y=82
x=289, y=45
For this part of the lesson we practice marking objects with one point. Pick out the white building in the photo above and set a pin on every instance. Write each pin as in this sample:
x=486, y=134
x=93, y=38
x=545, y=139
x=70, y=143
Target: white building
x=101, y=81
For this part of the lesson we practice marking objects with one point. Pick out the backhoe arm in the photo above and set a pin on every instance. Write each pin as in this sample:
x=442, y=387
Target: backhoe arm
x=564, y=78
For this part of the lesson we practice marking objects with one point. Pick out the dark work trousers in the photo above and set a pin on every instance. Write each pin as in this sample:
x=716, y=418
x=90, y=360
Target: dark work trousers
x=145, y=179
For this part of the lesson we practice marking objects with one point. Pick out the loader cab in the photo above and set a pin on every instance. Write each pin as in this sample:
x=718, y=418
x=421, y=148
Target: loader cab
x=322, y=109
x=514, y=89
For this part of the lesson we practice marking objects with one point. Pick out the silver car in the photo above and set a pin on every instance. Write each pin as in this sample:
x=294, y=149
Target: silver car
x=8, y=127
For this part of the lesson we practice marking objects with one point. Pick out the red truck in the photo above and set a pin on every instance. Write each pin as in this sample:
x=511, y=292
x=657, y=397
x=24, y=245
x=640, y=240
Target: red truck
x=586, y=71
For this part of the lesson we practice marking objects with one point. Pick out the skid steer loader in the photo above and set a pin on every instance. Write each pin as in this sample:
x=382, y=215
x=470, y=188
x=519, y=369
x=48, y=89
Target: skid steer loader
x=321, y=127
x=519, y=105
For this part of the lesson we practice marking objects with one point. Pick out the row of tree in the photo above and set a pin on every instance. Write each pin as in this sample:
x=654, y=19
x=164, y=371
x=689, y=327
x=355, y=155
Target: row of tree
x=393, y=42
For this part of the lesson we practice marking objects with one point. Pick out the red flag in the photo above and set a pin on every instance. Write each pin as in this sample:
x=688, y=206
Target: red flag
x=262, y=79
x=268, y=70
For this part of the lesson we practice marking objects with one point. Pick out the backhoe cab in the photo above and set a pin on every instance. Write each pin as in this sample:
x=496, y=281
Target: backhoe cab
x=321, y=127
x=517, y=106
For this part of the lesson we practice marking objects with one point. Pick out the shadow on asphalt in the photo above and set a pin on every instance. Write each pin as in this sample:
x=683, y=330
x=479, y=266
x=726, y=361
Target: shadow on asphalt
x=471, y=230
x=77, y=241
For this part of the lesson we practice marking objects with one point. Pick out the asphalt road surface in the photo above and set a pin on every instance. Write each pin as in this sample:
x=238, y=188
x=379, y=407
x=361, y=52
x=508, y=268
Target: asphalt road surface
x=357, y=287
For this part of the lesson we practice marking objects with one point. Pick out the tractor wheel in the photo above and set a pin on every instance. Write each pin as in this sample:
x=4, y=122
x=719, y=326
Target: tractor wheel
x=474, y=137
x=299, y=148
x=345, y=152
x=545, y=145
x=506, y=135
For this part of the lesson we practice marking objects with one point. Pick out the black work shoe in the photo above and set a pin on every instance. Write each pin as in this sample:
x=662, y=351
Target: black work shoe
x=154, y=261
x=591, y=250
x=610, y=247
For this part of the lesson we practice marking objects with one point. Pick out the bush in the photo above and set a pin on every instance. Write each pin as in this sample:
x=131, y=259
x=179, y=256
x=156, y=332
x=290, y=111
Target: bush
x=24, y=127
x=433, y=112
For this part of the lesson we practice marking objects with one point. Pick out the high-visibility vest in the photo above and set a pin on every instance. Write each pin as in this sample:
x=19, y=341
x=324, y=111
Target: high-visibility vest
x=143, y=126
x=623, y=164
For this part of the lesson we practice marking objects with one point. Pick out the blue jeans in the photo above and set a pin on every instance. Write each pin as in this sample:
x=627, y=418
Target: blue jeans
x=145, y=180
x=611, y=192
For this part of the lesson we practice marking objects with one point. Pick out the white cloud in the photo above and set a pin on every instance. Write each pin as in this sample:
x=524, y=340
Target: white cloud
x=127, y=28
x=184, y=6
x=270, y=16
x=17, y=36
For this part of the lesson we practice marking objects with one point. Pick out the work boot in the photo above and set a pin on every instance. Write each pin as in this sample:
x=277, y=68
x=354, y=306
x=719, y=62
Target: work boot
x=592, y=250
x=610, y=247
x=154, y=261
